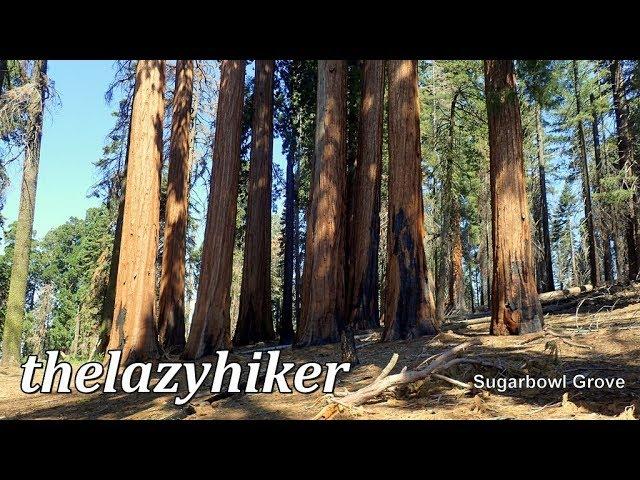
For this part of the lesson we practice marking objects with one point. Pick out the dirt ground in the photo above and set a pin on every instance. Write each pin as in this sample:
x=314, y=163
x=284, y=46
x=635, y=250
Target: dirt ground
x=596, y=334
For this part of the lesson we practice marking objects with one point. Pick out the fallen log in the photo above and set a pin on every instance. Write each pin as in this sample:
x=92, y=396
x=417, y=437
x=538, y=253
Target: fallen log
x=566, y=293
x=545, y=299
x=465, y=323
x=468, y=316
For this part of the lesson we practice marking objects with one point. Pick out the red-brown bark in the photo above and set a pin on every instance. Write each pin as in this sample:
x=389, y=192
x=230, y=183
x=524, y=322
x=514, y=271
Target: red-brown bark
x=323, y=289
x=211, y=324
x=515, y=307
x=409, y=305
x=133, y=329
x=171, y=320
x=254, y=318
x=456, y=284
x=365, y=226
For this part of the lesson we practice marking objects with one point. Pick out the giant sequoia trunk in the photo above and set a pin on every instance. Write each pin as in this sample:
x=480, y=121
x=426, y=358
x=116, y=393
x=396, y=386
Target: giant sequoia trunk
x=586, y=184
x=626, y=164
x=133, y=328
x=409, y=305
x=16, y=296
x=365, y=226
x=515, y=307
x=171, y=325
x=323, y=290
x=605, y=229
x=211, y=324
x=254, y=318
x=546, y=282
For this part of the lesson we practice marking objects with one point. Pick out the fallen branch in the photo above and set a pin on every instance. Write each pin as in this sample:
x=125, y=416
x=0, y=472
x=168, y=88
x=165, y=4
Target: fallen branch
x=565, y=339
x=556, y=334
x=453, y=381
x=265, y=349
x=574, y=344
x=536, y=336
x=366, y=344
x=551, y=404
x=363, y=395
x=387, y=370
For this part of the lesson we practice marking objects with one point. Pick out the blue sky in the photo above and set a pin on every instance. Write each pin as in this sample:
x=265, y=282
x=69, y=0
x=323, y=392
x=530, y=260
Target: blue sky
x=74, y=132
x=73, y=135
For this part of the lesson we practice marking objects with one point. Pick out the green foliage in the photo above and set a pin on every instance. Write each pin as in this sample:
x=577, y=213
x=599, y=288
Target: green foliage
x=466, y=154
x=295, y=113
x=562, y=236
x=69, y=269
x=540, y=80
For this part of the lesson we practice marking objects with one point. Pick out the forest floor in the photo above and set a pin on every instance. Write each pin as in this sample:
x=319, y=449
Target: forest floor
x=596, y=334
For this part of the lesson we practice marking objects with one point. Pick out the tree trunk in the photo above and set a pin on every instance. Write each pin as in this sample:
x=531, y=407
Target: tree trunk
x=626, y=162
x=484, y=262
x=488, y=240
x=15, y=307
x=323, y=289
x=604, y=229
x=171, y=319
x=290, y=246
x=456, y=284
x=298, y=257
x=109, y=300
x=447, y=230
x=470, y=274
x=409, y=306
x=365, y=225
x=546, y=283
x=133, y=327
x=41, y=315
x=574, y=268
x=481, y=287
x=515, y=308
x=211, y=326
x=254, y=319
x=586, y=186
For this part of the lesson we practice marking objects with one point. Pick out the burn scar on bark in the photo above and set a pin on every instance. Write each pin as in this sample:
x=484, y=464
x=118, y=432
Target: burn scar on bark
x=512, y=317
x=520, y=316
x=410, y=288
x=122, y=316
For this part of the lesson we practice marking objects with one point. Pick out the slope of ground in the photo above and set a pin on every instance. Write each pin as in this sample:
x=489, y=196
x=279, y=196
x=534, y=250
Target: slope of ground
x=595, y=334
